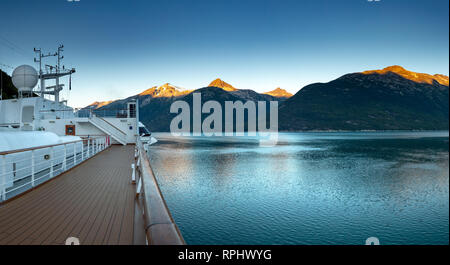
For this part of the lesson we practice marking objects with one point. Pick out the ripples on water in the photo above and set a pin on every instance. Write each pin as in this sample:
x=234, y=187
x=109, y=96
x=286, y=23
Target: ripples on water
x=312, y=188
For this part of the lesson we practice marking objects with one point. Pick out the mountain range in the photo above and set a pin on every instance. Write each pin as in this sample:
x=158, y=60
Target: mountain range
x=392, y=98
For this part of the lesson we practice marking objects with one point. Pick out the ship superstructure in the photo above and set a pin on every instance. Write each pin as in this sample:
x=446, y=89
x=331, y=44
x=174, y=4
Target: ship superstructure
x=34, y=111
x=58, y=162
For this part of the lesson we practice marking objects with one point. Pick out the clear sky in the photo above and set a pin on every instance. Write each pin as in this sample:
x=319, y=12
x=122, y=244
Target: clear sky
x=120, y=48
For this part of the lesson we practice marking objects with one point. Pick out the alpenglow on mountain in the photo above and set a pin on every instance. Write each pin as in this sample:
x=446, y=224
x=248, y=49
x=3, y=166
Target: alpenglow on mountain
x=279, y=93
x=413, y=76
x=166, y=90
x=222, y=84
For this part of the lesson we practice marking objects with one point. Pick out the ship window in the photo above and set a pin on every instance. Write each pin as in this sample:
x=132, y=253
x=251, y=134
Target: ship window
x=143, y=131
x=132, y=110
x=70, y=129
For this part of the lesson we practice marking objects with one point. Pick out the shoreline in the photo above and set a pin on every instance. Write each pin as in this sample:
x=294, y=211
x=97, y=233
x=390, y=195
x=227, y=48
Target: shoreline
x=340, y=131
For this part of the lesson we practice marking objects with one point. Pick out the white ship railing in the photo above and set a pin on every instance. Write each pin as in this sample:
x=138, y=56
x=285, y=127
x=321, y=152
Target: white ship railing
x=24, y=169
x=111, y=113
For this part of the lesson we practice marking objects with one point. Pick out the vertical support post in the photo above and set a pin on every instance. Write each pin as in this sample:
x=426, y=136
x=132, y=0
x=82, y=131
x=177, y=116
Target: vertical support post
x=137, y=117
x=82, y=150
x=32, y=168
x=65, y=158
x=51, y=162
x=74, y=154
x=88, y=153
x=3, y=177
x=133, y=174
x=139, y=186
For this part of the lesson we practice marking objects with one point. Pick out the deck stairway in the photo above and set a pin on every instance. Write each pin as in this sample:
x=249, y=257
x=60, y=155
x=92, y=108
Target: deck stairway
x=109, y=129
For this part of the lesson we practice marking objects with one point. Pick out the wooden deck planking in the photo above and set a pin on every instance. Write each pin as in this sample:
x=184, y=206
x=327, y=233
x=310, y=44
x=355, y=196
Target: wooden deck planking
x=100, y=215
x=23, y=220
x=116, y=217
x=41, y=223
x=65, y=220
x=93, y=201
x=76, y=220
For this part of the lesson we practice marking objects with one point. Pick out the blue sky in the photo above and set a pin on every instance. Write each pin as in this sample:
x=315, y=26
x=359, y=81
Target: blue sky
x=120, y=48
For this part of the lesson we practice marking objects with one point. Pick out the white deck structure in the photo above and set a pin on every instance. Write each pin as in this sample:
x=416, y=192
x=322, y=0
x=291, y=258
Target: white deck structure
x=39, y=114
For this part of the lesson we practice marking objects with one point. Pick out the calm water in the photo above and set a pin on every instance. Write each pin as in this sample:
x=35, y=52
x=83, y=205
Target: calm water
x=312, y=188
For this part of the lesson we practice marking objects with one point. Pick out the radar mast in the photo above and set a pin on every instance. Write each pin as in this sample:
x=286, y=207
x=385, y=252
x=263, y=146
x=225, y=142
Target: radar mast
x=52, y=72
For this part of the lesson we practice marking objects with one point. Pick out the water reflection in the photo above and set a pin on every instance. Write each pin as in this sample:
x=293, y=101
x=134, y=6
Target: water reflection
x=312, y=188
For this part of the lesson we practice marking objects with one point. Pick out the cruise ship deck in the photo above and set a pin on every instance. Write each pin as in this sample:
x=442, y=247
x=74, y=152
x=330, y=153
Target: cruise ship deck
x=94, y=202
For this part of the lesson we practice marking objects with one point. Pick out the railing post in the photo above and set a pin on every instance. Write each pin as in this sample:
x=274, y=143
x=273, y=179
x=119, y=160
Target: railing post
x=82, y=151
x=139, y=186
x=65, y=158
x=133, y=174
x=3, y=177
x=88, y=148
x=74, y=154
x=51, y=162
x=32, y=168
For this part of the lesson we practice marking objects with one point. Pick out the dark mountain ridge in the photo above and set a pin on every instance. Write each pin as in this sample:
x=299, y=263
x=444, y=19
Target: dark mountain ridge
x=8, y=89
x=372, y=101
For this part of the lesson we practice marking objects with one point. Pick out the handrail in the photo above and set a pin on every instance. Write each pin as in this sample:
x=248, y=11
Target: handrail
x=105, y=126
x=42, y=147
x=160, y=228
x=112, y=125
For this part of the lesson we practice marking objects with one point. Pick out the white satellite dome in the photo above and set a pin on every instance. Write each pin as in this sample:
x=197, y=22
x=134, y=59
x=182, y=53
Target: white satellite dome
x=25, y=78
